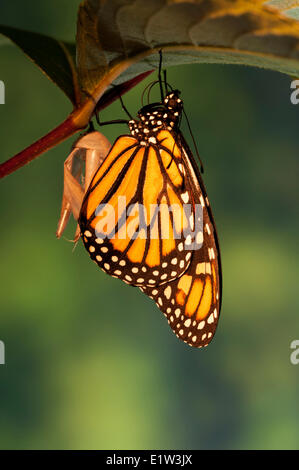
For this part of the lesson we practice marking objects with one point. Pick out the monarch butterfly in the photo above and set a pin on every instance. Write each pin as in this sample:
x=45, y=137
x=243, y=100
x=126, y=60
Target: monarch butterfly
x=146, y=220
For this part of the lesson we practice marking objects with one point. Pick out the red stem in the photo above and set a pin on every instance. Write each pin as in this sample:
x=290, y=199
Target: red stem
x=67, y=128
x=54, y=137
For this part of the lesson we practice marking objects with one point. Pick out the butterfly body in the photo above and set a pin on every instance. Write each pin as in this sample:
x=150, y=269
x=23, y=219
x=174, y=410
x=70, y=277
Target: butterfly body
x=146, y=220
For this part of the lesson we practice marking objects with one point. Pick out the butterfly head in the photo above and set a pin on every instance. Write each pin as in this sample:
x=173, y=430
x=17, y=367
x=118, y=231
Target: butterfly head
x=157, y=116
x=173, y=103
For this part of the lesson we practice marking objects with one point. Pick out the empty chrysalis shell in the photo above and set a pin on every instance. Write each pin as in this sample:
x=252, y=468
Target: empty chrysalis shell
x=88, y=153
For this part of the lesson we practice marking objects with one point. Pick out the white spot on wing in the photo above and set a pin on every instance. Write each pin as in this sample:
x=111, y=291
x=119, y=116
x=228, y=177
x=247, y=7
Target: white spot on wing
x=201, y=268
x=177, y=312
x=199, y=238
x=167, y=292
x=211, y=318
x=208, y=229
x=188, y=240
x=185, y=197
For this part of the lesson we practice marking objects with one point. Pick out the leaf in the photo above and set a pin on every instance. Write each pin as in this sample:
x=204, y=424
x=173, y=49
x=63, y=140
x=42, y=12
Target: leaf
x=288, y=7
x=55, y=58
x=126, y=35
x=118, y=43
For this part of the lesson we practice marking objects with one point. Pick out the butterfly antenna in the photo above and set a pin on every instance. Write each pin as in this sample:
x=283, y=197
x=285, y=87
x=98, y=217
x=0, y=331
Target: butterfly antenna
x=142, y=96
x=160, y=76
x=165, y=81
x=193, y=140
x=150, y=85
x=150, y=89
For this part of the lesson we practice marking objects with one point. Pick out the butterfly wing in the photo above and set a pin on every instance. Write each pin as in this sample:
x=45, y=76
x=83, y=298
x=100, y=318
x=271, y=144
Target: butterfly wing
x=125, y=220
x=191, y=303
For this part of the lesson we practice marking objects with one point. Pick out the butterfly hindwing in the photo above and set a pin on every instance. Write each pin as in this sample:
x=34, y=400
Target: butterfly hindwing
x=191, y=303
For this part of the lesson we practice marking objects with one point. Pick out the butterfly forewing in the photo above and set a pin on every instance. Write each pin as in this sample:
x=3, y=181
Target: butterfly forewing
x=135, y=218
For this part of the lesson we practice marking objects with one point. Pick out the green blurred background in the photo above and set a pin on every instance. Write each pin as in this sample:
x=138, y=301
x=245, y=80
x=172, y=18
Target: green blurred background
x=90, y=361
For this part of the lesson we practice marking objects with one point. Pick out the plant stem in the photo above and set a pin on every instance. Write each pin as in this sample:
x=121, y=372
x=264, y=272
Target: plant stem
x=75, y=122
x=54, y=137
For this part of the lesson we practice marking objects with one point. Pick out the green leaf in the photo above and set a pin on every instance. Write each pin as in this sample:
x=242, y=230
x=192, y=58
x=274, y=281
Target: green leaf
x=129, y=34
x=55, y=58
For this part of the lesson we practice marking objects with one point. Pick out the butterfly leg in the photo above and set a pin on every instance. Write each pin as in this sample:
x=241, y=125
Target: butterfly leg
x=90, y=149
x=114, y=121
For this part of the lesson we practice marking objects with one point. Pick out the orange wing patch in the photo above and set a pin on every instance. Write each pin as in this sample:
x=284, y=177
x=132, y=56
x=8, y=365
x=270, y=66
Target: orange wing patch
x=153, y=183
x=102, y=184
x=205, y=300
x=121, y=145
x=194, y=297
x=166, y=140
x=171, y=168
